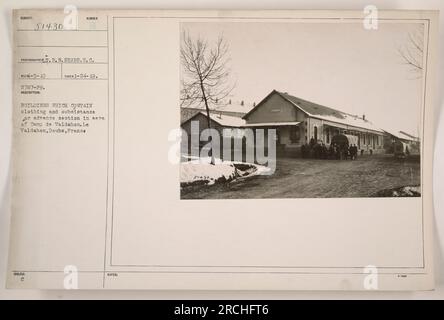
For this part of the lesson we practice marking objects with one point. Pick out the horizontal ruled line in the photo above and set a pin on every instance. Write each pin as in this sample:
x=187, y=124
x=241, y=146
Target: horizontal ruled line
x=60, y=30
x=60, y=79
x=82, y=63
x=227, y=272
x=47, y=46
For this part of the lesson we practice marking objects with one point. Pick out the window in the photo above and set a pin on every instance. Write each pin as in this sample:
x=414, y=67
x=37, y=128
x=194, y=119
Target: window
x=295, y=135
x=315, y=133
x=328, y=135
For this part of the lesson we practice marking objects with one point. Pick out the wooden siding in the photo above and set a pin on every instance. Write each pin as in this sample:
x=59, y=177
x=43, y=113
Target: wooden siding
x=275, y=109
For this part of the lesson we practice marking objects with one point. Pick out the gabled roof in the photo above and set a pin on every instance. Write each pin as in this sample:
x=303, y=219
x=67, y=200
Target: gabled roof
x=322, y=112
x=226, y=121
x=272, y=124
x=235, y=106
x=408, y=136
x=312, y=108
x=221, y=119
x=186, y=114
x=403, y=136
x=229, y=106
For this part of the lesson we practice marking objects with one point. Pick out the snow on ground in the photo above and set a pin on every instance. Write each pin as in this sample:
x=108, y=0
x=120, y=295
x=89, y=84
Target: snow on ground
x=192, y=172
x=201, y=169
x=409, y=191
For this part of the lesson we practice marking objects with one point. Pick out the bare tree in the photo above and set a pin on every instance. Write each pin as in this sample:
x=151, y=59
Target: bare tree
x=412, y=51
x=205, y=78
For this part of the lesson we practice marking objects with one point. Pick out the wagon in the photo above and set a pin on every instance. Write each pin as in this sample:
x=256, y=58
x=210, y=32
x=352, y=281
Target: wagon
x=344, y=140
x=343, y=143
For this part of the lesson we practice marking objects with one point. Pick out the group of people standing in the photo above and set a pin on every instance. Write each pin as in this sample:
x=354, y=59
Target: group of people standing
x=353, y=151
x=318, y=150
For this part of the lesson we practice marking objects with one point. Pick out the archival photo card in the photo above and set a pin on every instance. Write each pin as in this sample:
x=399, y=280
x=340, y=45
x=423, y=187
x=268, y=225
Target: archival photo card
x=223, y=150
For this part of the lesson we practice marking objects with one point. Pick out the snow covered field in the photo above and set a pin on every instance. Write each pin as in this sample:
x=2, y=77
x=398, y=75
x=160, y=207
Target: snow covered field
x=201, y=170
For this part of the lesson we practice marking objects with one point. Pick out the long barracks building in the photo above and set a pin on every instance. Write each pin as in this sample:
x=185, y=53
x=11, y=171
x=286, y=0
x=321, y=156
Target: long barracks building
x=297, y=121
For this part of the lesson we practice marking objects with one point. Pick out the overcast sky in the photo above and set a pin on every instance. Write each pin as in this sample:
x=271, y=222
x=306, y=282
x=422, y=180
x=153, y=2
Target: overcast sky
x=340, y=65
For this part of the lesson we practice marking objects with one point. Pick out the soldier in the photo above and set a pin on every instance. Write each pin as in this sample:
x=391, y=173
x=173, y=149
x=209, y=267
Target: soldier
x=312, y=142
x=324, y=151
x=352, y=151
x=337, y=152
x=331, y=151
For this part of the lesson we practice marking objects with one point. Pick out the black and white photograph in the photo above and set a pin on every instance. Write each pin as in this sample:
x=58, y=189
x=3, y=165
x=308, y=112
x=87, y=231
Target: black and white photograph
x=301, y=110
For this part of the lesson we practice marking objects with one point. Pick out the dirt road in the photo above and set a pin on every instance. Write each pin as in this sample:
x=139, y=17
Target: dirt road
x=311, y=178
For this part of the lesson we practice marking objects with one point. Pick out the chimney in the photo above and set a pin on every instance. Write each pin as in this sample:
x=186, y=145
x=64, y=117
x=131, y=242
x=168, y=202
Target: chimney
x=229, y=101
x=254, y=104
x=363, y=117
x=242, y=102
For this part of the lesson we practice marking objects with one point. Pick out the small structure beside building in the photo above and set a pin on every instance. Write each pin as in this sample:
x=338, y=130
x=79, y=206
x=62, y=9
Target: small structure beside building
x=226, y=125
x=218, y=121
x=401, y=143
